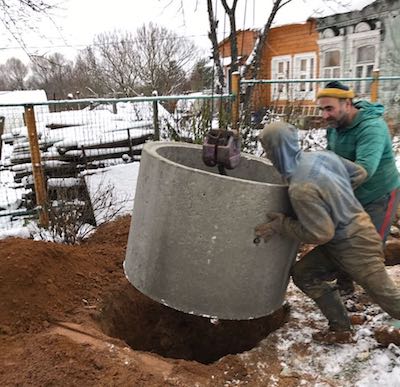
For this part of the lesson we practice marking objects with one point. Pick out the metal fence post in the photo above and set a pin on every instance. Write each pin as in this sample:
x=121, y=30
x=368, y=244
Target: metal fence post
x=37, y=169
x=155, y=118
x=236, y=102
x=375, y=86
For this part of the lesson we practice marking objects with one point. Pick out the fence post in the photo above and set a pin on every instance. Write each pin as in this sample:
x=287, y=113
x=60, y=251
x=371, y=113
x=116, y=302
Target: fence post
x=130, y=144
x=155, y=117
x=375, y=86
x=236, y=102
x=37, y=169
x=2, y=120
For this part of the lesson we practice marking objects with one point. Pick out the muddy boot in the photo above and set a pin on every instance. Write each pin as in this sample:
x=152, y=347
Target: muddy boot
x=339, y=331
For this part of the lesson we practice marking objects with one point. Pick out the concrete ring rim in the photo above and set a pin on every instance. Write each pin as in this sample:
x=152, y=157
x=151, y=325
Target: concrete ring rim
x=151, y=149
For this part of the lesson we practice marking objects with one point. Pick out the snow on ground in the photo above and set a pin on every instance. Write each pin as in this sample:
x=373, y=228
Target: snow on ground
x=10, y=199
x=362, y=364
x=97, y=125
x=88, y=126
x=122, y=179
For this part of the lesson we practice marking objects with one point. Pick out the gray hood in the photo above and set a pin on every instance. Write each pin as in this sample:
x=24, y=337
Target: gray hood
x=281, y=144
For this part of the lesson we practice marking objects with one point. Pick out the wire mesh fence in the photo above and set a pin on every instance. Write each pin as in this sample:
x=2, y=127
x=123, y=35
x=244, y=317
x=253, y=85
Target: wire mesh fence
x=294, y=100
x=88, y=153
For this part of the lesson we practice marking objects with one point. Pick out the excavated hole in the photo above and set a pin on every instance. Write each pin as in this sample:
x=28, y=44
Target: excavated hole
x=146, y=325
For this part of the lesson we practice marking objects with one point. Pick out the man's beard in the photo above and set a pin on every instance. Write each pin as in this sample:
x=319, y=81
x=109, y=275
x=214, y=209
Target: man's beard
x=339, y=123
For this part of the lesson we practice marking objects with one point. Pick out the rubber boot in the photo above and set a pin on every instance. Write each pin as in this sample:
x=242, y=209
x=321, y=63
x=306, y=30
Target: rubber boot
x=331, y=305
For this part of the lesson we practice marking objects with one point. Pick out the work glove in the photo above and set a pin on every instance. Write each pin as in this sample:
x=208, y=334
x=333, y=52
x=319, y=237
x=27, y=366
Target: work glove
x=270, y=228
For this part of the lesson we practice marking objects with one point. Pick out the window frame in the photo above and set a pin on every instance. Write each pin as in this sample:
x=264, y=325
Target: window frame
x=356, y=41
x=331, y=69
x=364, y=88
x=309, y=88
x=277, y=95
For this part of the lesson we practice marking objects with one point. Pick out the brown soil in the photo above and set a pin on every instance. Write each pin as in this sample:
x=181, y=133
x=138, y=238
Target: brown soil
x=69, y=317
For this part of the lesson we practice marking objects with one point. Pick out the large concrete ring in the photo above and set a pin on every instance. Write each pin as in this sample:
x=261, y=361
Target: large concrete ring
x=191, y=241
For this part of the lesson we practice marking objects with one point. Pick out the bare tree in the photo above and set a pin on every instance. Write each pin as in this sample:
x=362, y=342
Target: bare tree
x=113, y=59
x=231, y=12
x=17, y=72
x=87, y=76
x=122, y=64
x=53, y=74
x=13, y=74
x=163, y=58
x=3, y=82
x=212, y=35
x=252, y=69
x=21, y=16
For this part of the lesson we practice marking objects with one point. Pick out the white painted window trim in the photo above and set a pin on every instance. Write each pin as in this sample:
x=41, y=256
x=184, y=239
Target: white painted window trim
x=336, y=40
x=361, y=25
x=360, y=39
x=307, y=94
x=323, y=68
x=274, y=70
x=331, y=44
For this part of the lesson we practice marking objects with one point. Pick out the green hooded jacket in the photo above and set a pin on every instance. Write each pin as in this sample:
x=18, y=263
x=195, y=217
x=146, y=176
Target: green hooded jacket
x=367, y=142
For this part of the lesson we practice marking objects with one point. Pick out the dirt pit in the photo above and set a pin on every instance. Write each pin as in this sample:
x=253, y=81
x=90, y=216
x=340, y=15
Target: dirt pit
x=69, y=317
x=148, y=326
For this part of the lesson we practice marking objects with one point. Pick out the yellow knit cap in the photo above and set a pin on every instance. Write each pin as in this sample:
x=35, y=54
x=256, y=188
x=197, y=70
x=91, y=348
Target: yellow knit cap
x=335, y=93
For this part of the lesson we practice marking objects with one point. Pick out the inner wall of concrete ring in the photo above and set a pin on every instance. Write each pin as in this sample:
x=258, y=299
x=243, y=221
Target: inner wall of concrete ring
x=190, y=243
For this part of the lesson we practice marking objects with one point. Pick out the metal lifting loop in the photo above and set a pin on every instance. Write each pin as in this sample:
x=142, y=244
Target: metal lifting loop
x=222, y=148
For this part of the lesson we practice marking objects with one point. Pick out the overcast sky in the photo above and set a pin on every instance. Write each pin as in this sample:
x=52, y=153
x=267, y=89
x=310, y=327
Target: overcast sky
x=78, y=21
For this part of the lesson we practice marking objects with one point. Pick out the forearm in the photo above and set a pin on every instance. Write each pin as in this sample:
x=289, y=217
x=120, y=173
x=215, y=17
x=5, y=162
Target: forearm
x=293, y=228
x=357, y=173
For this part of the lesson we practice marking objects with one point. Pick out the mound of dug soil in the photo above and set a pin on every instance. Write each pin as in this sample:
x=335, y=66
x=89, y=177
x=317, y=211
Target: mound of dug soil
x=69, y=317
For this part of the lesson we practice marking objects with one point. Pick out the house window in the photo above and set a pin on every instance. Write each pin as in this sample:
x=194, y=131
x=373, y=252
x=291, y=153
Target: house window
x=304, y=68
x=331, y=64
x=365, y=60
x=280, y=70
x=362, y=27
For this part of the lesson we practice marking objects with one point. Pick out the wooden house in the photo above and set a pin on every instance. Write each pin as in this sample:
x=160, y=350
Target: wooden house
x=246, y=40
x=343, y=45
x=291, y=51
x=355, y=43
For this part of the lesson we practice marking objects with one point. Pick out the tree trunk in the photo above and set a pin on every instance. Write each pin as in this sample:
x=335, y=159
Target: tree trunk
x=252, y=69
x=232, y=37
x=214, y=41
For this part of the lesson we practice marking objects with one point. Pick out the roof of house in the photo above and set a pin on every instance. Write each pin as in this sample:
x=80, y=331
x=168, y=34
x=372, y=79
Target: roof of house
x=22, y=96
x=374, y=10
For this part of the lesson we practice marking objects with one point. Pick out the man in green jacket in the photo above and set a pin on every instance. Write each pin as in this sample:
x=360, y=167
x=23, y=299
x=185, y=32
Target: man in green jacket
x=358, y=132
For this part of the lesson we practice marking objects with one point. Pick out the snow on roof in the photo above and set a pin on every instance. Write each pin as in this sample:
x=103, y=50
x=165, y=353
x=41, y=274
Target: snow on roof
x=279, y=25
x=14, y=114
x=22, y=96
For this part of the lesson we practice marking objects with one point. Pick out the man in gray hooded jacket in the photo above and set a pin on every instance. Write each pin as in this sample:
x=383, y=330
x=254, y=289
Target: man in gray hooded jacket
x=328, y=215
